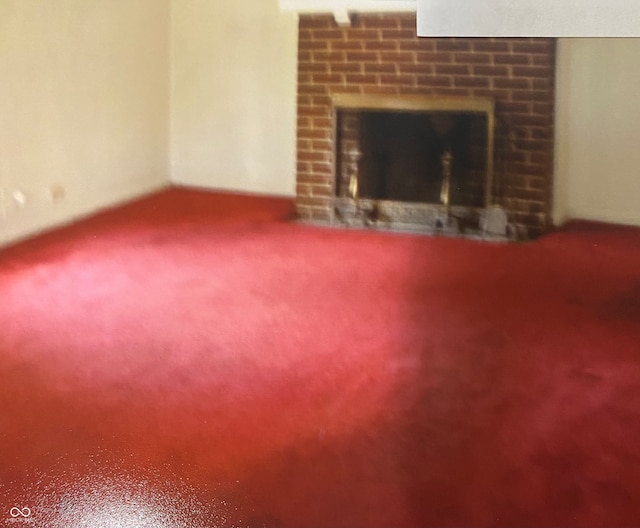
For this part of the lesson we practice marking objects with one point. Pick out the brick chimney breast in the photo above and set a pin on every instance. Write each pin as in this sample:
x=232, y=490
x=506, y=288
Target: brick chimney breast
x=381, y=54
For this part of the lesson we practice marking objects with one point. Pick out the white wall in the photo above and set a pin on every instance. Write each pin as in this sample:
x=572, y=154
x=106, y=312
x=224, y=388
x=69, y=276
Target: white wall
x=83, y=105
x=598, y=130
x=233, y=95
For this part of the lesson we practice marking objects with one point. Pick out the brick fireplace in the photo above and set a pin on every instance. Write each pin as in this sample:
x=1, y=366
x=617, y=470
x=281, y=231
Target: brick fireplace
x=378, y=57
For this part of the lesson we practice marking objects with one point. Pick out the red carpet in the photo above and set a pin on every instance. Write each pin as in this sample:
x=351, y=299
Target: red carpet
x=195, y=360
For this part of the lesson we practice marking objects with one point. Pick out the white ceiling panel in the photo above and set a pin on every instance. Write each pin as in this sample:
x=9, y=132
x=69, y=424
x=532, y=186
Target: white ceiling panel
x=529, y=18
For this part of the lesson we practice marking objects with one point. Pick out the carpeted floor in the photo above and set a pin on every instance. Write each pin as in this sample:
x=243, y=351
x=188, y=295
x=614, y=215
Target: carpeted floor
x=195, y=360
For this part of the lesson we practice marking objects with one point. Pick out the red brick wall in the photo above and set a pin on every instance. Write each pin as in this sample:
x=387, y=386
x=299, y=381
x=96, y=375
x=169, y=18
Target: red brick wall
x=381, y=54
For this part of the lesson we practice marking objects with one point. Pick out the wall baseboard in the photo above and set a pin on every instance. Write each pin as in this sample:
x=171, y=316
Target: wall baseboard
x=32, y=222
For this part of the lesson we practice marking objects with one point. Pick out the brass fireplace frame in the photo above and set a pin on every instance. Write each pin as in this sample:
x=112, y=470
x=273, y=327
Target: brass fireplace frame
x=423, y=104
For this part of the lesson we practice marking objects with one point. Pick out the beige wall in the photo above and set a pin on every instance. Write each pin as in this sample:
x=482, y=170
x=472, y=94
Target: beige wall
x=597, y=130
x=83, y=105
x=87, y=89
x=233, y=95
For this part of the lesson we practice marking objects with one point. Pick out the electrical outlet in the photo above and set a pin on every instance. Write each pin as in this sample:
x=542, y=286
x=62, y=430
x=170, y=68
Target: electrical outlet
x=20, y=198
x=57, y=192
x=3, y=205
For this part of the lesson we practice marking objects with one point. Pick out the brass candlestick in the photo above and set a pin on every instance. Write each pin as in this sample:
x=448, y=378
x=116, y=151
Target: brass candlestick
x=445, y=192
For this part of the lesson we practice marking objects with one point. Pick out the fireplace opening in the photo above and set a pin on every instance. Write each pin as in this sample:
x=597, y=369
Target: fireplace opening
x=413, y=156
x=425, y=162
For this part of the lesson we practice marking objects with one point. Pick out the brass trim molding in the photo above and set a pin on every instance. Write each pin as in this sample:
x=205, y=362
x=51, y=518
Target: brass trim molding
x=413, y=103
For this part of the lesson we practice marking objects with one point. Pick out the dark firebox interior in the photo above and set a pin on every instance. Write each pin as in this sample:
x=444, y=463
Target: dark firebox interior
x=401, y=156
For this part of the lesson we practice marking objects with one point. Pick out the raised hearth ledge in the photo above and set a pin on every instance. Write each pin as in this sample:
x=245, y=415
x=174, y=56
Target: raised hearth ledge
x=413, y=217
